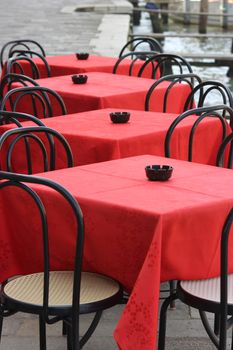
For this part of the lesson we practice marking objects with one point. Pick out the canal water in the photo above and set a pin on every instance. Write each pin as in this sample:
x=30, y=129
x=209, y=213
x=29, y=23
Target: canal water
x=193, y=45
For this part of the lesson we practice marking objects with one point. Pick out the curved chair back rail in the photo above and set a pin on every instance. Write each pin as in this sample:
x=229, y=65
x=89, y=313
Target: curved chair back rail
x=38, y=93
x=32, y=54
x=13, y=65
x=223, y=90
x=164, y=61
x=22, y=43
x=33, y=133
x=201, y=113
x=136, y=42
x=173, y=79
x=8, y=117
x=134, y=56
x=9, y=79
x=227, y=142
x=21, y=182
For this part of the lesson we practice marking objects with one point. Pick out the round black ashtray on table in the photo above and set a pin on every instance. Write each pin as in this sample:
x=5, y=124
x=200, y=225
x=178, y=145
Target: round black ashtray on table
x=82, y=55
x=119, y=117
x=158, y=172
x=79, y=79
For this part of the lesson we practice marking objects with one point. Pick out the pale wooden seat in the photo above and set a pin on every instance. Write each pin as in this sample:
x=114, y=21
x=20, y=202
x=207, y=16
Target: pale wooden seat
x=28, y=289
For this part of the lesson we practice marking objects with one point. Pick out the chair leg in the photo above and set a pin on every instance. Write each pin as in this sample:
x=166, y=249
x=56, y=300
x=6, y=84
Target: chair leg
x=42, y=329
x=208, y=329
x=163, y=320
x=69, y=334
x=91, y=328
x=172, y=285
x=1, y=323
x=64, y=328
x=216, y=323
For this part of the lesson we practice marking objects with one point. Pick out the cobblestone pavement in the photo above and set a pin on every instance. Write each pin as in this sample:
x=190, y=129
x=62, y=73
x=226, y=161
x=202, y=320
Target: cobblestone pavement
x=43, y=21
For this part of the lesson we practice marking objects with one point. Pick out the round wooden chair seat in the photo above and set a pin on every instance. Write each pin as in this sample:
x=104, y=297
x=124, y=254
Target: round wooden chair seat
x=28, y=289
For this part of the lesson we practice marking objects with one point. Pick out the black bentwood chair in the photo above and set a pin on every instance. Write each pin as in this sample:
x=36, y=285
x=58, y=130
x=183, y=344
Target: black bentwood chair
x=38, y=97
x=44, y=141
x=140, y=44
x=9, y=79
x=204, y=93
x=17, y=65
x=212, y=295
x=164, y=63
x=225, y=152
x=25, y=45
x=217, y=112
x=136, y=56
x=16, y=118
x=55, y=295
x=173, y=79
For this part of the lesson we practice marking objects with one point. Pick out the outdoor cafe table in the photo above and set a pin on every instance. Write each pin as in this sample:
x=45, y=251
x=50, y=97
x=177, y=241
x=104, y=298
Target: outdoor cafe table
x=136, y=231
x=104, y=90
x=69, y=64
x=94, y=138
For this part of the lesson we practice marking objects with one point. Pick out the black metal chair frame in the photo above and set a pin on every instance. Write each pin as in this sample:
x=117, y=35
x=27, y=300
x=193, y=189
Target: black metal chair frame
x=221, y=309
x=220, y=156
x=212, y=85
x=7, y=117
x=47, y=315
x=38, y=94
x=163, y=61
x=174, y=79
x=135, y=56
x=153, y=43
x=9, y=79
x=201, y=114
x=28, y=55
x=27, y=133
x=25, y=43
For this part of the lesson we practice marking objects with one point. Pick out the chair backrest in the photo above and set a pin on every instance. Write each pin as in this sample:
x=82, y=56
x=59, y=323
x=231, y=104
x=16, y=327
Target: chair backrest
x=206, y=89
x=137, y=57
x=9, y=79
x=43, y=148
x=26, y=65
x=227, y=229
x=164, y=63
x=173, y=79
x=39, y=209
x=21, y=44
x=217, y=112
x=8, y=117
x=42, y=101
x=225, y=152
x=140, y=43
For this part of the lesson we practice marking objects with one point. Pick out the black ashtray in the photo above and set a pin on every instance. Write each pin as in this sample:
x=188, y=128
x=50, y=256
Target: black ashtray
x=158, y=172
x=119, y=117
x=82, y=55
x=79, y=79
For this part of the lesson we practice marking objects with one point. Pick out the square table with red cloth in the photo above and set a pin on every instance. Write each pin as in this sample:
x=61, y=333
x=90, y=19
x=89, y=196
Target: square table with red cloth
x=94, y=138
x=136, y=231
x=104, y=90
x=69, y=64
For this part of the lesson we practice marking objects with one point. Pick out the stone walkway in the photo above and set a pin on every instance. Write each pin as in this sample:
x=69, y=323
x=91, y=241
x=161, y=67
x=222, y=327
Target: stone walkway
x=60, y=30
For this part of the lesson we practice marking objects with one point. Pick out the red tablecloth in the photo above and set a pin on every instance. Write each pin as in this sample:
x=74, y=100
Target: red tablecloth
x=104, y=90
x=137, y=231
x=69, y=64
x=94, y=138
